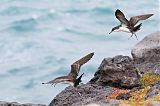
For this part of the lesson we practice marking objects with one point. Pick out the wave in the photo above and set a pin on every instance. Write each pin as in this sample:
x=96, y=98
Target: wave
x=23, y=25
x=96, y=10
x=15, y=10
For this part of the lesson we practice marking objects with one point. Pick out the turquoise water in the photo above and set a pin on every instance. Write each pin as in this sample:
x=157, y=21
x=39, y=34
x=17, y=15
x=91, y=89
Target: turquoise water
x=39, y=39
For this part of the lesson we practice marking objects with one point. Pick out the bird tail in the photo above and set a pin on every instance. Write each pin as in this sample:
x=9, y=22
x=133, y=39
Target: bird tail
x=136, y=28
x=78, y=80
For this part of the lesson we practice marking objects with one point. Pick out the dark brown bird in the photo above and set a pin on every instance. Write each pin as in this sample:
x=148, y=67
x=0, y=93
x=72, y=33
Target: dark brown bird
x=71, y=78
x=129, y=25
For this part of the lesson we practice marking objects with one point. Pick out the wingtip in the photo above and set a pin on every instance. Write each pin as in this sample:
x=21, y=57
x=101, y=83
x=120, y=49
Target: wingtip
x=118, y=10
x=152, y=14
x=92, y=53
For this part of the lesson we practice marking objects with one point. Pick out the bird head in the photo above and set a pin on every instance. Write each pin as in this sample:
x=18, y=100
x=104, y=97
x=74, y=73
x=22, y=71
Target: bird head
x=114, y=29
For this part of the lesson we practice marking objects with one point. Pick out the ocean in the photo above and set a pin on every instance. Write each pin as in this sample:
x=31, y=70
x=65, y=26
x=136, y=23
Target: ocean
x=40, y=39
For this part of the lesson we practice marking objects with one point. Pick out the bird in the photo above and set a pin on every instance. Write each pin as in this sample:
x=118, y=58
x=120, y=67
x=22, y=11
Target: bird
x=129, y=25
x=71, y=78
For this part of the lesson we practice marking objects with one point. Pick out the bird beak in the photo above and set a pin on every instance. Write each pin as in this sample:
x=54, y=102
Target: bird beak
x=110, y=32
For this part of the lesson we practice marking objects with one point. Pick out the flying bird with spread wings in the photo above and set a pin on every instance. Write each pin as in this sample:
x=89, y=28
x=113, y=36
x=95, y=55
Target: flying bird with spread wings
x=129, y=25
x=71, y=78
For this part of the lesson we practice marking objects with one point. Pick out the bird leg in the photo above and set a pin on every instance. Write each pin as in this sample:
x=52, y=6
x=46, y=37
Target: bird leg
x=136, y=36
x=130, y=36
x=53, y=84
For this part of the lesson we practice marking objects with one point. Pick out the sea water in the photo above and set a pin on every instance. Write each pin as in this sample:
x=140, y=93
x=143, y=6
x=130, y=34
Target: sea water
x=40, y=39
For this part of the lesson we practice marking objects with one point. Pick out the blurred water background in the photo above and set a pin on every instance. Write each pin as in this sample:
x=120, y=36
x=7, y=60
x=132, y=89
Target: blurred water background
x=39, y=39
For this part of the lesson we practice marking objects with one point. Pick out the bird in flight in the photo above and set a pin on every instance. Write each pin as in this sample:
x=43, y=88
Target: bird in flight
x=71, y=78
x=129, y=25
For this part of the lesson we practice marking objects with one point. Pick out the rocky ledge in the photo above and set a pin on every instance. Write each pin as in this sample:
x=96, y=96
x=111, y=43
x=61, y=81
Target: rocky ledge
x=121, y=80
x=3, y=103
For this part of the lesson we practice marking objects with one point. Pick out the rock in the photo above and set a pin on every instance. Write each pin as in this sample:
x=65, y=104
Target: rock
x=89, y=93
x=154, y=90
x=153, y=103
x=146, y=54
x=3, y=103
x=118, y=71
x=123, y=96
x=106, y=102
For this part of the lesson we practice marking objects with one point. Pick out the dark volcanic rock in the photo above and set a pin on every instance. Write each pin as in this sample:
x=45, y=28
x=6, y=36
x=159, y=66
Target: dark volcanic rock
x=123, y=96
x=103, y=102
x=117, y=72
x=154, y=90
x=146, y=54
x=89, y=93
x=3, y=103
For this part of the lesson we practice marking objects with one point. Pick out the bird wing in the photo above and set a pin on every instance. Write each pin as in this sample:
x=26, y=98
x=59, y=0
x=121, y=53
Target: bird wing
x=75, y=67
x=134, y=20
x=121, y=17
x=62, y=79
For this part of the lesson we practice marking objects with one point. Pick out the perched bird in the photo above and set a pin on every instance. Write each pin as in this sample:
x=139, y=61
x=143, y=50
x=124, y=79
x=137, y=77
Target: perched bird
x=129, y=25
x=71, y=78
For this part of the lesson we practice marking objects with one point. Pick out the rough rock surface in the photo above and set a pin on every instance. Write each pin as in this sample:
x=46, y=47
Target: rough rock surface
x=103, y=102
x=154, y=90
x=88, y=93
x=3, y=103
x=146, y=53
x=118, y=71
x=153, y=103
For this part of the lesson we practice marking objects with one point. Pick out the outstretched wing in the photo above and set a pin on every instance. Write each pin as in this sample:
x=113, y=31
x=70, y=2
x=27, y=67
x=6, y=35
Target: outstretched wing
x=121, y=17
x=62, y=79
x=134, y=20
x=71, y=77
x=75, y=67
